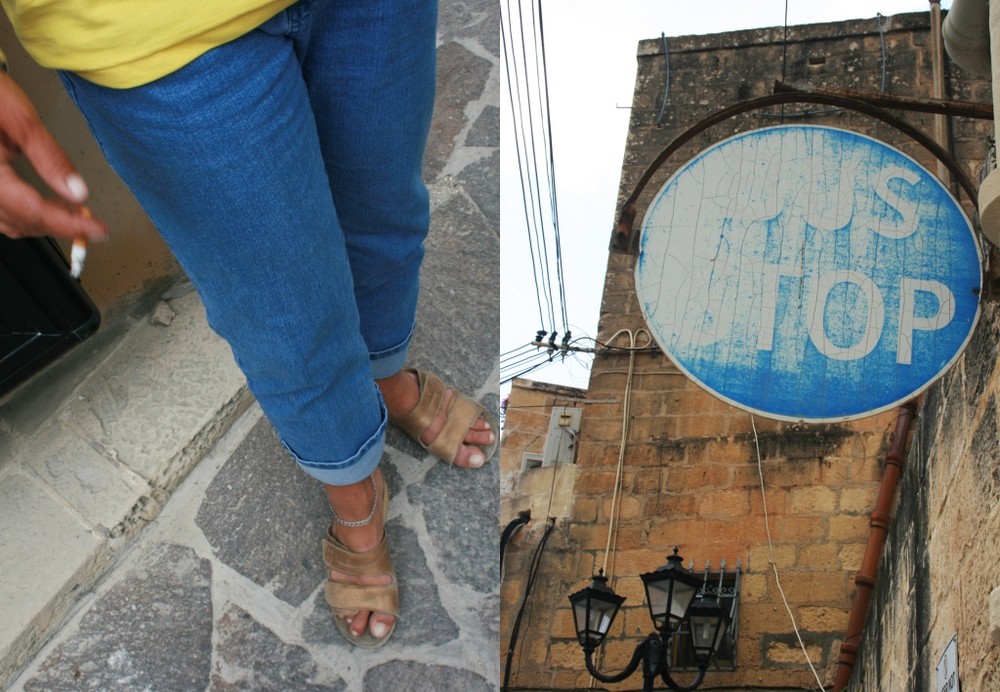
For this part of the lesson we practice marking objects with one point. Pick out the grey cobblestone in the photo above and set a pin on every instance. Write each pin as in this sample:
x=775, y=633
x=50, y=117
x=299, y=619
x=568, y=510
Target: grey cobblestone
x=151, y=630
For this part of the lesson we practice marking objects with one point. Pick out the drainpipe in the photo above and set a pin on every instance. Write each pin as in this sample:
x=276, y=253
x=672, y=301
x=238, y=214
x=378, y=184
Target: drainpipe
x=879, y=527
x=941, y=130
x=970, y=30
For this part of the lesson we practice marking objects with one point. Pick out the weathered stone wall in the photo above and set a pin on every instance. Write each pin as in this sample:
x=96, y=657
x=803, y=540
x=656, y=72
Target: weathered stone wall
x=691, y=476
x=939, y=565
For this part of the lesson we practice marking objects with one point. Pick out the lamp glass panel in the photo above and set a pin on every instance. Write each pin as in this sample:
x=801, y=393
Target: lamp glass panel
x=683, y=595
x=703, y=632
x=707, y=630
x=580, y=615
x=593, y=617
x=601, y=615
x=657, y=594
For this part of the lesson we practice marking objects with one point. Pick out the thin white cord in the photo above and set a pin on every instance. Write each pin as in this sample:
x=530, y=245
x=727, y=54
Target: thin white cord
x=770, y=549
x=616, y=495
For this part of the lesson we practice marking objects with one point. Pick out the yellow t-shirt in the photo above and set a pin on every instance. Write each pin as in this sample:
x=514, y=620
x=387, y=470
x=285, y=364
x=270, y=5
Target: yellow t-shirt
x=125, y=43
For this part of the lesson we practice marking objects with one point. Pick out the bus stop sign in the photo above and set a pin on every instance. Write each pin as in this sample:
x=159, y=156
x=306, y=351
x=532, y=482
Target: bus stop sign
x=808, y=273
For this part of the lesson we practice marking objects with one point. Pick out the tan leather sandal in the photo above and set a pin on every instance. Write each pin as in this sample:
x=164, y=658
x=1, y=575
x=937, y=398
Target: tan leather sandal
x=459, y=418
x=346, y=599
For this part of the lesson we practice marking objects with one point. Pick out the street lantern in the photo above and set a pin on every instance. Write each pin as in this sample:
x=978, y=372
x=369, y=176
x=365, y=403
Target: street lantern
x=670, y=593
x=594, y=609
x=708, y=623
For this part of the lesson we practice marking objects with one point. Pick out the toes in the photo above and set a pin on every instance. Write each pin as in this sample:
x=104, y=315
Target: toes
x=358, y=623
x=379, y=625
x=470, y=457
x=480, y=437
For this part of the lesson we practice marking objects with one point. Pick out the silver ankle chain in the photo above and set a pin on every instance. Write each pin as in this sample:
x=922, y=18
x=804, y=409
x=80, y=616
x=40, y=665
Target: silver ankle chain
x=359, y=522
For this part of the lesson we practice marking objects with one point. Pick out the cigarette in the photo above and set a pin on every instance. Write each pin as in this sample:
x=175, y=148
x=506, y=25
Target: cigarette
x=78, y=255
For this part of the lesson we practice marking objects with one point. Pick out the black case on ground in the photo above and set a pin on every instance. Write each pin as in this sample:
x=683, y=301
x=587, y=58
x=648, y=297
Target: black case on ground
x=43, y=311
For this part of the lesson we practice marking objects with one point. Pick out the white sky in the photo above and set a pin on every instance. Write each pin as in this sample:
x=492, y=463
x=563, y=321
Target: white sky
x=590, y=55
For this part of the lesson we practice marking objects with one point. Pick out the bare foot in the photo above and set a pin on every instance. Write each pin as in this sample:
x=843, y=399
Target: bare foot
x=352, y=503
x=401, y=393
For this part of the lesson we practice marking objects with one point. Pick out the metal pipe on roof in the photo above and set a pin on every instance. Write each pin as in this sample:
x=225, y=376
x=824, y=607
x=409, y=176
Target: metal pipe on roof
x=966, y=35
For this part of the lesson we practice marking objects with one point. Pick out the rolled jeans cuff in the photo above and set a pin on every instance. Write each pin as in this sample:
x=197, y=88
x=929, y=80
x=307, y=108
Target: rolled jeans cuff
x=391, y=360
x=351, y=470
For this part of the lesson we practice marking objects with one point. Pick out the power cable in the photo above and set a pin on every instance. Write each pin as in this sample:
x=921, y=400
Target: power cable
x=515, y=349
x=666, y=85
x=534, y=357
x=529, y=98
x=517, y=353
x=505, y=380
x=508, y=532
x=532, y=573
x=881, y=37
x=770, y=550
x=560, y=277
x=513, y=89
x=530, y=146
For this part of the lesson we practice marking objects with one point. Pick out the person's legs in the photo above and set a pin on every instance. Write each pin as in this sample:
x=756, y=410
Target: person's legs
x=224, y=157
x=369, y=67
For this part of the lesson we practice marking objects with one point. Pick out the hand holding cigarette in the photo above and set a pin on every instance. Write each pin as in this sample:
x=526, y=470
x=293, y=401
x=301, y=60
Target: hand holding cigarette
x=23, y=211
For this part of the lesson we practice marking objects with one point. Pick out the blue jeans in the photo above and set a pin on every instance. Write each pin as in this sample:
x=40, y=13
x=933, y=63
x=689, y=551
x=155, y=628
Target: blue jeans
x=283, y=170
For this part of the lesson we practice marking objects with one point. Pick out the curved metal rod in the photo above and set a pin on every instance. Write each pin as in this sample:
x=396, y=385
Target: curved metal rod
x=674, y=685
x=623, y=229
x=652, y=651
x=637, y=656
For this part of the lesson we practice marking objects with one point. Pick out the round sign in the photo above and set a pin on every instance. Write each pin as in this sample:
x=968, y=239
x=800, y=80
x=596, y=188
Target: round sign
x=808, y=273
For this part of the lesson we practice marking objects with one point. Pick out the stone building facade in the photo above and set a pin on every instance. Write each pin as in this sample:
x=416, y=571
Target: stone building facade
x=696, y=472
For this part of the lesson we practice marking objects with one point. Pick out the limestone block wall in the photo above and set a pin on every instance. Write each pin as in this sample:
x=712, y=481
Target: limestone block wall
x=692, y=473
x=939, y=565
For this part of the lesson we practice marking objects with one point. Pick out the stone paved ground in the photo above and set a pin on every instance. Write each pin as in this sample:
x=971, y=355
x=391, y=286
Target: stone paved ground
x=224, y=589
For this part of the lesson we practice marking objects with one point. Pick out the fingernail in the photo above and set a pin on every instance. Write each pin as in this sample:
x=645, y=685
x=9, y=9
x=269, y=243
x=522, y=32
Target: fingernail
x=493, y=437
x=354, y=634
x=77, y=187
x=477, y=460
x=487, y=424
x=379, y=630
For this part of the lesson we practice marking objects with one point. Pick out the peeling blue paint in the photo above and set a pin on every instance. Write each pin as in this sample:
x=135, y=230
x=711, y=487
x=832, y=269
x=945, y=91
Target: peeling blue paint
x=808, y=273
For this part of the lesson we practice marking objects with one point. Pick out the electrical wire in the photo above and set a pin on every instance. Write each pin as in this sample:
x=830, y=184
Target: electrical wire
x=616, y=493
x=881, y=37
x=514, y=351
x=512, y=364
x=529, y=144
x=512, y=90
x=519, y=361
x=666, y=86
x=553, y=197
x=532, y=573
x=504, y=379
x=523, y=34
x=770, y=552
x=520, y=520
x=784, y=57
